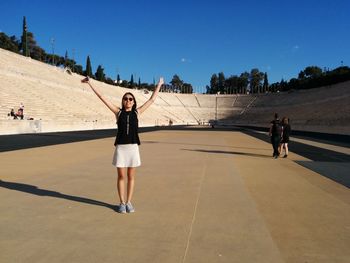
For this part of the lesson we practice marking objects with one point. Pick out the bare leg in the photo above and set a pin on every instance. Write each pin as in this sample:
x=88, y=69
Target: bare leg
x=286, y=147
x=280, y=148
x=131, y=183
x=121, y=184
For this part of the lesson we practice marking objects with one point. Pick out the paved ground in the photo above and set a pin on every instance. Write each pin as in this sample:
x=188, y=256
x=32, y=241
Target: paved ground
x=201, y=196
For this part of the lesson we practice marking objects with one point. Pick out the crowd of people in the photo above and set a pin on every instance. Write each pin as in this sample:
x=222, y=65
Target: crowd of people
x=279, y=133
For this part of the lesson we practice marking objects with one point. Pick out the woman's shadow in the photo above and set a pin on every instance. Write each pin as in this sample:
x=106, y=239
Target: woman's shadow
x=32, y=189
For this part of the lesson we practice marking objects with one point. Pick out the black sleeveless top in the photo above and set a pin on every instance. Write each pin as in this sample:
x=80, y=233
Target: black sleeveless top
x=128, y=125
x=286, y=131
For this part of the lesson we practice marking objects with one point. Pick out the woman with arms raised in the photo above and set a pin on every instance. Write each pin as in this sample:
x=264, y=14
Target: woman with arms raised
x=126, y=156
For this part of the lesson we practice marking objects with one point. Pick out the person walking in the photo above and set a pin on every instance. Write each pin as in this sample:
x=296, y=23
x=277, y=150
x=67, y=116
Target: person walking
x=275, y=133
x=285, y=136
x=126, y=155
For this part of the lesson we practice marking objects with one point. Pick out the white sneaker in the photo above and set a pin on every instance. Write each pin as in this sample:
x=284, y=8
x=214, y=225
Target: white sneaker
x=130, y=208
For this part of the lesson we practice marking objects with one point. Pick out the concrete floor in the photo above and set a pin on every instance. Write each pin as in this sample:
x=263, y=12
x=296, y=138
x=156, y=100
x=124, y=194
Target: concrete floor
x=200, y=196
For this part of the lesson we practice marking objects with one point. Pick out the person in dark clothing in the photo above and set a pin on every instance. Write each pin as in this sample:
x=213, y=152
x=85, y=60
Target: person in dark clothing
x=126, y=155
x=285, y=136
x=275, y=133
x=13, y=114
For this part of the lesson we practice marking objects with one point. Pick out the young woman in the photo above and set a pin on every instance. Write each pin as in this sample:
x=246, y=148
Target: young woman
x=126, y=156
x=285, y=136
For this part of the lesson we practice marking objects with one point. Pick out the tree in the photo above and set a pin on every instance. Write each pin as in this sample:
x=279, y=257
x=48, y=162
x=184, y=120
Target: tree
x=118, y=79
x=70, y=63
x=293, y=84
x=312, y=71
x=24, y=43
x=186, y=88
x=132, y=80
x=273, y=87
x=53, y=59
x=221, y=82
x=243, y=81
x=124, y=84
x=100, y=74
x=32, y=49
x=9, y=43
x=31, y=43
x=109, y=81
x=214, y=84
x=177, y=83
x=78, y=69
x=88, y=71
x=207, y=88
x=37, y=53
x=231, y=84
x=266, y=83
x=301, y=75
x=255, y=79
x=283, y=85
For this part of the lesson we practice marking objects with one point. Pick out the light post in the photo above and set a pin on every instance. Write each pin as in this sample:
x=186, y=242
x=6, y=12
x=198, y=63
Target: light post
x=216, y=107
x=53, y=50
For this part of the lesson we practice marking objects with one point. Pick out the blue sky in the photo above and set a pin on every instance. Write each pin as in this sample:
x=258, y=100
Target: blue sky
x=193, y=39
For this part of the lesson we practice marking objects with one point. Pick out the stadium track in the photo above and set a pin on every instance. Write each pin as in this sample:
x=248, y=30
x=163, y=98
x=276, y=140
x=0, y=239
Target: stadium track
x=315, y=154
x=202, y=195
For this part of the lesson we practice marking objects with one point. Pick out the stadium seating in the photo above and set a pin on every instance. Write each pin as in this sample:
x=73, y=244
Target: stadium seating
x=55, y=100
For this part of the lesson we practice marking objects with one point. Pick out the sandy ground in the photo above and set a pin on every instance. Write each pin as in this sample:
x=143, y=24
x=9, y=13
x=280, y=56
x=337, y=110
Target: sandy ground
x=201, y=196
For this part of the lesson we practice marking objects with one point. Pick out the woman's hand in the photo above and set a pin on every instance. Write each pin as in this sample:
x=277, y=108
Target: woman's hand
x=112, y=107
x=85, y=80
x=159, y=85
x=153, y=97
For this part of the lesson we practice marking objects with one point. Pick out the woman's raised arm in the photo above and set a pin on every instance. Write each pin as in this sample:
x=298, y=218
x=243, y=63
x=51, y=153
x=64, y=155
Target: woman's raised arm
x=152, y=98
x=110, y=106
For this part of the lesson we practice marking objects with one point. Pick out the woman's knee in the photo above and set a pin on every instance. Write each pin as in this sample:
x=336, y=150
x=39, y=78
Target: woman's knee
x=121, y=173
x=131, y=177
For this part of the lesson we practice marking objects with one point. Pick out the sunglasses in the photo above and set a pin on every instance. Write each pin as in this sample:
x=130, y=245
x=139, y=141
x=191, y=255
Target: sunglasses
x=126, y=99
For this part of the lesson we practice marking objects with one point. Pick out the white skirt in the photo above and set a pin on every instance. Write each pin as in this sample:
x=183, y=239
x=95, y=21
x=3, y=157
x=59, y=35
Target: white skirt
x=126, y=155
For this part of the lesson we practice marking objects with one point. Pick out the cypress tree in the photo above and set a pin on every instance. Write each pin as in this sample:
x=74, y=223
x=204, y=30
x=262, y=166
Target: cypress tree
x=88, y=71
x=24, y=43
x=100, y=74
x=221, y=82
x=132, y=80
x=266, y=83
x=213, y=84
